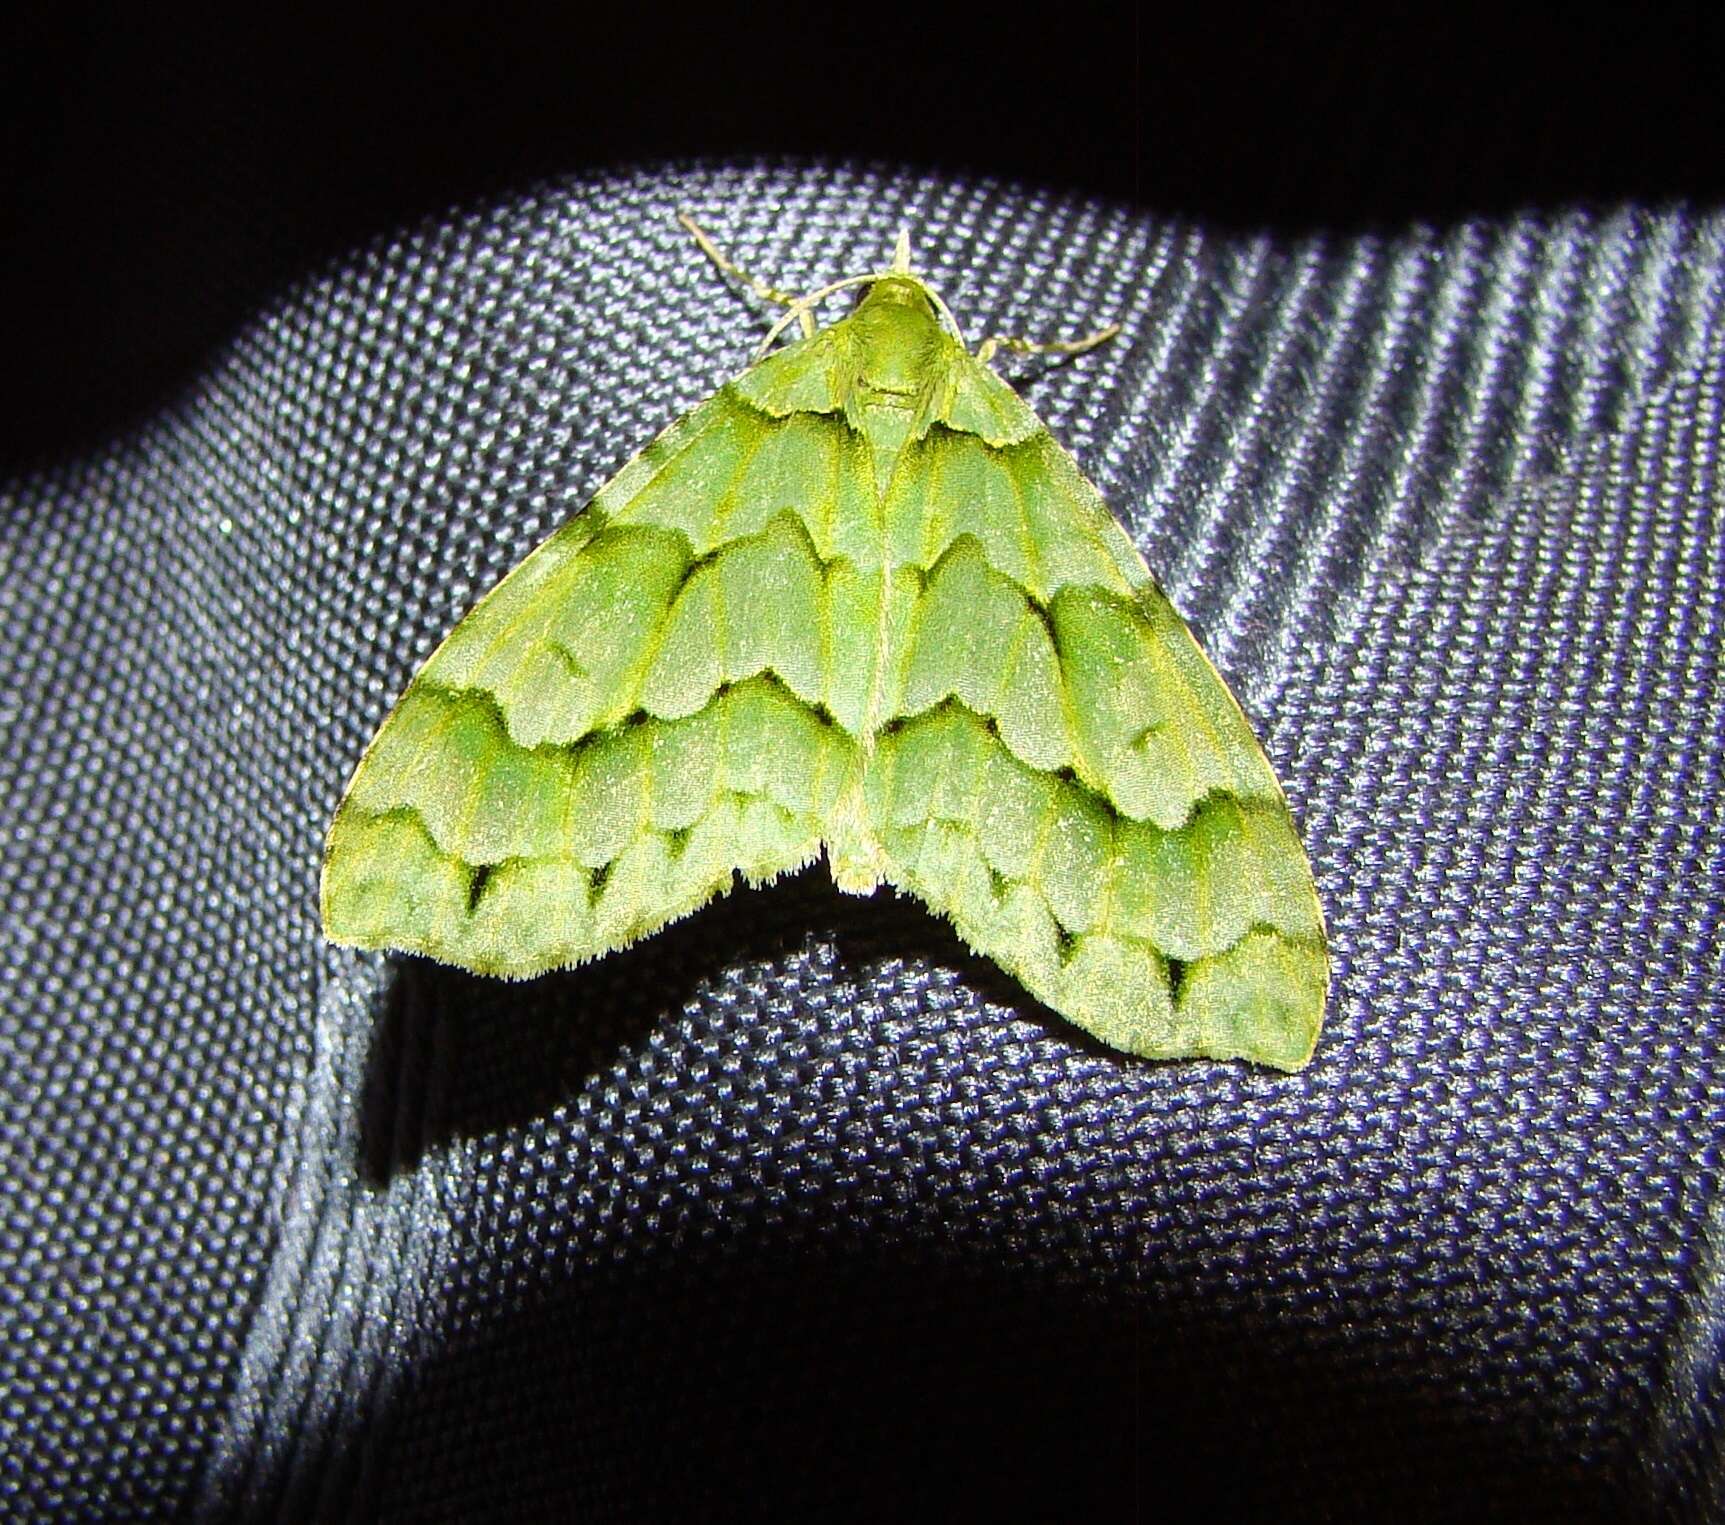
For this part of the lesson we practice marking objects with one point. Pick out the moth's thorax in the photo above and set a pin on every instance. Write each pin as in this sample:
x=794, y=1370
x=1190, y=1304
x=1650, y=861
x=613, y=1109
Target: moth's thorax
x=898, y=338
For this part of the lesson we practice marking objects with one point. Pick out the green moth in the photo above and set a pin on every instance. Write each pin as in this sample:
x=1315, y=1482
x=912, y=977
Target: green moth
x=858, y=602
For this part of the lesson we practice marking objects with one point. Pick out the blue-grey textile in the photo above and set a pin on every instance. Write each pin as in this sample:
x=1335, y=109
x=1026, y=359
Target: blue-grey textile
x=798, y=1210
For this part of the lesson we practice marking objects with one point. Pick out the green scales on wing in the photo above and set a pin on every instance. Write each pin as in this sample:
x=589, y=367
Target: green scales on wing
x=859, y=602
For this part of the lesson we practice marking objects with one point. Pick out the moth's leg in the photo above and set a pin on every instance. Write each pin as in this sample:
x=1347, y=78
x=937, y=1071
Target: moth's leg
x=990, y=347
x=760, y=288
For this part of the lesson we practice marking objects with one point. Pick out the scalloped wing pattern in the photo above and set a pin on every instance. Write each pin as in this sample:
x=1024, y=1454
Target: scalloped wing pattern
x=810, y=619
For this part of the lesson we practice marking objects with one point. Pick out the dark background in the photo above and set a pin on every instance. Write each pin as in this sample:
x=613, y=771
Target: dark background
x=173, y=167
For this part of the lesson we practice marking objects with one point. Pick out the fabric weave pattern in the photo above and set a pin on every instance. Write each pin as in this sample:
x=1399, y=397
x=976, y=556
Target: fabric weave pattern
x=799, y=1192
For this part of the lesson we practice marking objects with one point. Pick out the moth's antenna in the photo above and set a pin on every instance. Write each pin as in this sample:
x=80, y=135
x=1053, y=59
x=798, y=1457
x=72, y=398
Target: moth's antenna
x=802, y=309
x=990, y=347
x=760, y=288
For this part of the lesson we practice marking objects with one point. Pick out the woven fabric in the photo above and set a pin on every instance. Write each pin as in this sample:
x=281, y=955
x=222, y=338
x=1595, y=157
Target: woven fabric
x=798, y=1209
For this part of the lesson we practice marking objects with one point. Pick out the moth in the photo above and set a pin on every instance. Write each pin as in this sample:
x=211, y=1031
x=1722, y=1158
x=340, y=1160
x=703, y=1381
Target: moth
x=860, y=603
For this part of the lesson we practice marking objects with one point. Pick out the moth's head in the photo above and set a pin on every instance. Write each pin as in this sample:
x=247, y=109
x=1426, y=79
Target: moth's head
x=898, y=334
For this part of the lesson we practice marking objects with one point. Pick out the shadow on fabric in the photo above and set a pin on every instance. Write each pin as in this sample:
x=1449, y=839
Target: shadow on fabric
x=566, y=1028
x=766, y=1355
x=893, y=1381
